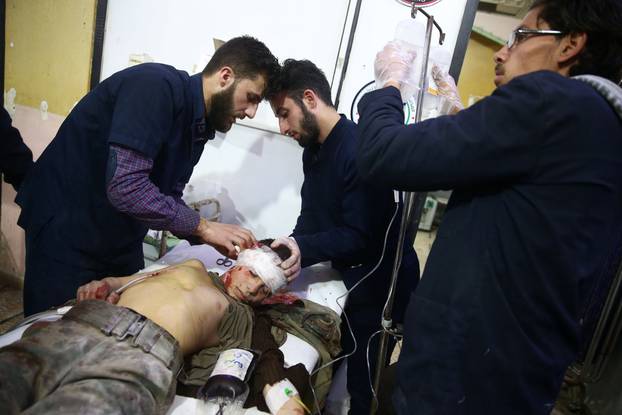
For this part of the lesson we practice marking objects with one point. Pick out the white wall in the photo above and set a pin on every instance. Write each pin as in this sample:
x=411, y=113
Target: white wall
x=256, y=175
x=181, y=33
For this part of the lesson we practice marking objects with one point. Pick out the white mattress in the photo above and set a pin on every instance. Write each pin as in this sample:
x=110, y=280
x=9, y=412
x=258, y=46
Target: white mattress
x=318, y=283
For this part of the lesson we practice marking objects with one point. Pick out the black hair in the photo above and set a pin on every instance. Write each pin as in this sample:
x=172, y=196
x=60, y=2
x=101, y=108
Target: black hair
x=601, y=21
x=248, y=57
x=298, y=75
x=282, y=251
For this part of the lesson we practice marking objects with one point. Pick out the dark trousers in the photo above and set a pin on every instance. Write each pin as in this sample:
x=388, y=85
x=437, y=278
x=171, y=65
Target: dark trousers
x=55, y=270
x=364, y=311
x=364, y=321
x=98, y=359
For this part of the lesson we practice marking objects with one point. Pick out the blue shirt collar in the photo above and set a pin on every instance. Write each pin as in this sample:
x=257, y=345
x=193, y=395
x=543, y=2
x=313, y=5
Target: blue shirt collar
x=201, y=131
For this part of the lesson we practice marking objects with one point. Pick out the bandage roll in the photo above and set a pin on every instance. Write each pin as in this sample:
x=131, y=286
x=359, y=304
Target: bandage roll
x=278, y=394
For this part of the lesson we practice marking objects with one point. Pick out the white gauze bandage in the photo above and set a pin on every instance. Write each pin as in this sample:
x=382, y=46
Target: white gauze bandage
x=264, y=262
x=279, y=394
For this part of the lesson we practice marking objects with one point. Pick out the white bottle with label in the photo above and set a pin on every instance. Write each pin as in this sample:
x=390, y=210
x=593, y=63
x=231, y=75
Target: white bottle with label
x=226, y=390
x=432, y=102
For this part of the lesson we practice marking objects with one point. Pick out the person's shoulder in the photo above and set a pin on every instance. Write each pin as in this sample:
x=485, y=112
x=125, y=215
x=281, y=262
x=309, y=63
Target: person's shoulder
x=552, y=85
x=151, y=73
x=153, y=68
x=350, y=127
x=346, y=146
x=348, y=131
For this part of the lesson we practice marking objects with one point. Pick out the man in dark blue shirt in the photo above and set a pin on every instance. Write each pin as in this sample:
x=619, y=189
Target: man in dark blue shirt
x=342, y=219
x=535, y=214
x=118, y=166
x=15, y=156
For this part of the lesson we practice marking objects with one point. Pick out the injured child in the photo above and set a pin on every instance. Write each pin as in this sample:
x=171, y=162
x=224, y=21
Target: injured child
x=124, y=354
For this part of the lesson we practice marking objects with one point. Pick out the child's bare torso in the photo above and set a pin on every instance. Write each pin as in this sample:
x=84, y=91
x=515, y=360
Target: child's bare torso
x=184, y=301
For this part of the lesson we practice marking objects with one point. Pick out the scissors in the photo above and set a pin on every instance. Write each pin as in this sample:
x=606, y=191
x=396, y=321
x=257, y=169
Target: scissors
x=224, y=261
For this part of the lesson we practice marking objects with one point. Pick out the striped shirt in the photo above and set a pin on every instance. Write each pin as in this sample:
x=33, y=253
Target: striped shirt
x=132, y=192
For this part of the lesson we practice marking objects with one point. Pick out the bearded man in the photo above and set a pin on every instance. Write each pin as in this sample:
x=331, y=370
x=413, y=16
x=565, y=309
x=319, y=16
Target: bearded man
x=118, y=165
x=342, y=219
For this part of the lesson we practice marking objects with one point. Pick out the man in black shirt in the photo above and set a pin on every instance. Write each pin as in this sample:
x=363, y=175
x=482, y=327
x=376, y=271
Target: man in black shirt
x=534, y=217
x=342, y=219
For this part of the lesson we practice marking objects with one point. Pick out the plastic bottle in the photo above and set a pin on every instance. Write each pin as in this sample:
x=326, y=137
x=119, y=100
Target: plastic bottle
x=226, y=390
x=432, y=102
x=411, y=34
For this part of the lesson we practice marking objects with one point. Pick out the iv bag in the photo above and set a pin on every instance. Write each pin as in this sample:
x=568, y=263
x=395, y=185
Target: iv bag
x=411, y=34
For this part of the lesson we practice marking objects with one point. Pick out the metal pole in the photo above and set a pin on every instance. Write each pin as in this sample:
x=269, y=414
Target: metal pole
x=409, y=198
x=346, y=61
x=98, y=42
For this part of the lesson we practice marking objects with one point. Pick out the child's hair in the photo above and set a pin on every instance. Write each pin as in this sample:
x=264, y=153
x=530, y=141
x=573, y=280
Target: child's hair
x=282, y=251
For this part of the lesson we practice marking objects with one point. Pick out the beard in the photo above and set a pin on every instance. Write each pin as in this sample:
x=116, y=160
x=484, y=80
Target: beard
x=221, y=110
x=309, y=129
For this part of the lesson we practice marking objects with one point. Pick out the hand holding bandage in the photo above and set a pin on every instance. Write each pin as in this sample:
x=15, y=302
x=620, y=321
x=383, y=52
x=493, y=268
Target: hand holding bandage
x=393, y=67
x=447, y=89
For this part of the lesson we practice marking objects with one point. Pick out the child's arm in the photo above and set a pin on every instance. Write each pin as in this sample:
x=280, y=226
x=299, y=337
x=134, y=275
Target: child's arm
x=109, y=288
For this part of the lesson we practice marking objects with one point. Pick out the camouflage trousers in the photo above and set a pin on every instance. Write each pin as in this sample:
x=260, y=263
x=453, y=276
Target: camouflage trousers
x=98, y=359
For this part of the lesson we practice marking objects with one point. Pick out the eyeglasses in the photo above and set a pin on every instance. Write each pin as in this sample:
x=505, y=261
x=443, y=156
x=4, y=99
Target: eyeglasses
x=519, y=35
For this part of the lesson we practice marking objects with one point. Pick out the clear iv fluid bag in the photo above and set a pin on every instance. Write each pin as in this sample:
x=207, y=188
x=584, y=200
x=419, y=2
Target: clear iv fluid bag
x=411, y=34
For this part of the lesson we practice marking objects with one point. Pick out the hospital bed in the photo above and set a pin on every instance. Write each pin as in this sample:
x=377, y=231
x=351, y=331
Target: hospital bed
x=319, y=283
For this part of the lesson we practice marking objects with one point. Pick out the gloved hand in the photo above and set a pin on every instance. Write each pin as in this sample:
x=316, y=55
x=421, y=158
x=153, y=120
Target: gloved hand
x=394, y=65
x=447, y=89
x=291, y=266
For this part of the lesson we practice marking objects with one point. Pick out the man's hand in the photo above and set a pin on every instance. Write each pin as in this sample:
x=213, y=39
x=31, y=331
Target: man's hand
x=291, y=266
x=225, y=237
x=393, y=67
x=447, y=89
x=98, y=290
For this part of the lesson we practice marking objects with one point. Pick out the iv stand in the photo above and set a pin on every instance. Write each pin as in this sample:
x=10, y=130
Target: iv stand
x=413, y=205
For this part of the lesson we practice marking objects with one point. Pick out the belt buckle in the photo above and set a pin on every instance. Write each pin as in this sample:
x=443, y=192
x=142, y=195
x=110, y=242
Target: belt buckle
x=134, y=328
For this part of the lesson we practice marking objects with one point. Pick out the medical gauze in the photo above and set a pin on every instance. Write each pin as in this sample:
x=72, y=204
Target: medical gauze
x=265, y=264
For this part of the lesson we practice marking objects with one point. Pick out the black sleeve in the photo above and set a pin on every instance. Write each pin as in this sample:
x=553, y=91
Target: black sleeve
x=270, y=367
x=15, y=156
x=490, y=142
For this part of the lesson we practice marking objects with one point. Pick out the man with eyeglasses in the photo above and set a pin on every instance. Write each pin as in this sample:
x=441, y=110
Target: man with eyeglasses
x=533, y=221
